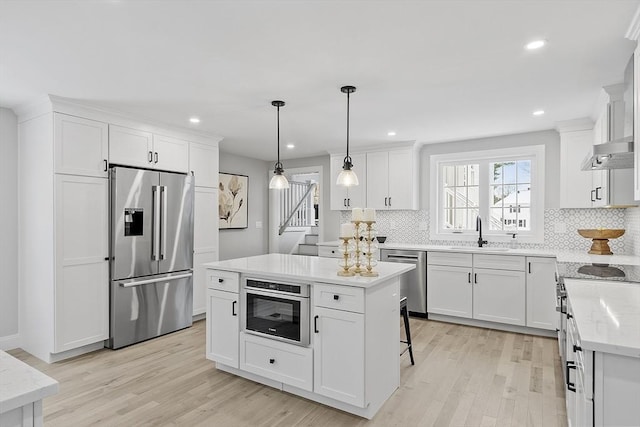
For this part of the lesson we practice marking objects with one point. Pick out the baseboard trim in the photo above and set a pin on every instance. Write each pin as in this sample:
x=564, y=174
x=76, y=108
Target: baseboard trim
x=10, y=342
x=492, y=325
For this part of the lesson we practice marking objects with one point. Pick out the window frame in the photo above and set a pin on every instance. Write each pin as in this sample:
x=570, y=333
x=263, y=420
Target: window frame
x=535, y=153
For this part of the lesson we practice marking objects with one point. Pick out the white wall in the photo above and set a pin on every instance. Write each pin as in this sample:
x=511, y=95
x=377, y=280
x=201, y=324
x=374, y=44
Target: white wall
x=8, y=228
x=549, y=138
x=252, y=240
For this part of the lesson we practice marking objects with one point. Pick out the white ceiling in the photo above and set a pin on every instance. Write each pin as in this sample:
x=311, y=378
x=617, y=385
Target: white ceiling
x=430, y=70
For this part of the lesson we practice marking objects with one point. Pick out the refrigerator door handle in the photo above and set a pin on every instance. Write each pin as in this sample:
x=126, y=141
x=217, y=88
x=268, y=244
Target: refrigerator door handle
x=155, y=235
x=163, y=214
x=156, y=280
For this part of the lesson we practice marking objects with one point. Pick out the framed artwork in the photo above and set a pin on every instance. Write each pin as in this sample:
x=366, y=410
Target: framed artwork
x=233, y=193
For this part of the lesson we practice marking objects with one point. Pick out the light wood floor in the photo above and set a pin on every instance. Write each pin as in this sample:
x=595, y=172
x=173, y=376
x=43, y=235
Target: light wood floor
x=463, y=376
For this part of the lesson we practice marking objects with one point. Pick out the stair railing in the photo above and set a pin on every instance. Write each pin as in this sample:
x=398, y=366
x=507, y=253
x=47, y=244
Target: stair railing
x=294, y=205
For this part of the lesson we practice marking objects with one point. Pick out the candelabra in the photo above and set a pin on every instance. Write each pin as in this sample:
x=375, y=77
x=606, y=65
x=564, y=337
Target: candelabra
x=358, y=242
x=370, y=250
x=346, y=261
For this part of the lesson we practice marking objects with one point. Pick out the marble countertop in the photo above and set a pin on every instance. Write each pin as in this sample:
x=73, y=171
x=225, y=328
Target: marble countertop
x=307, y=269
x=607, y=315
x=561, y=256
x=21, y=384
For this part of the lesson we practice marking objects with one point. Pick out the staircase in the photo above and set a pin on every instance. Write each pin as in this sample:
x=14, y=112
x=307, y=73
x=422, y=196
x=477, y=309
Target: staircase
x=309, y=246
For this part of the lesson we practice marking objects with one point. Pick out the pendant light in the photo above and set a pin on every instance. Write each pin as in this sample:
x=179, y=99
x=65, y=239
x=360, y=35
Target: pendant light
x=279, y=181
x=347, y=176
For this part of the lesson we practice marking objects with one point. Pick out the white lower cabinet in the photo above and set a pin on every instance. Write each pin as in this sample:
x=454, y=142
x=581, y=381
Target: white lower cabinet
x=541, y=293
x=223, y=326
x=499, y=296
x=491, y=288
x=205, y=242
x=338, y=343
x=449, y=290
x=286, y=363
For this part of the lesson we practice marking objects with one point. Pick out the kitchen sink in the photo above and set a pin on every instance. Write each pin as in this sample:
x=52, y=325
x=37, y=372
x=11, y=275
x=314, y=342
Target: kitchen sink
x=474, y=248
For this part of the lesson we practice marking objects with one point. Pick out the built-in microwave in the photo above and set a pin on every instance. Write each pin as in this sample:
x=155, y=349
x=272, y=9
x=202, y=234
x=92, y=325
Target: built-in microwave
x=276, y=310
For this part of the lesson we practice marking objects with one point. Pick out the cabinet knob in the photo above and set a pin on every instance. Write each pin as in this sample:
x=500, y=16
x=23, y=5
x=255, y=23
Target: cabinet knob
x=220, y=280
x=272, y=361
x=336, y=297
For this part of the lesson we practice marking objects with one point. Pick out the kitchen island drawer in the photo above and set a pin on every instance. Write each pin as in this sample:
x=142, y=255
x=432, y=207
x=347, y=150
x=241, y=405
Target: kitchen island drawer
x=287, y=363
x=329, y=252
x=499, y=262
x=223, y=280
x=339, y=297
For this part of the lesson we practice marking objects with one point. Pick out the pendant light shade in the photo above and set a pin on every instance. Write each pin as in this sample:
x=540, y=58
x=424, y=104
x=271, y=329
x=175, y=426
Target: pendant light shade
x=347, y=176
x=278, y=181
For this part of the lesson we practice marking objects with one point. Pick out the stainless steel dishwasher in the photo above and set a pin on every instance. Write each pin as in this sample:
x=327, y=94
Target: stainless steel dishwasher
x=413, y=284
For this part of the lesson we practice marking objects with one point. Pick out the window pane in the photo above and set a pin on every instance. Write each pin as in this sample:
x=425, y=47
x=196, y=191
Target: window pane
x=461, y=197
x=496, y=194
x=472, y=214
x=497, y=173
x=524, y=195
x=509, y=194
x=461, y=175
x=509, y=172
x=448, y=218
x=473, y=195
x=524, y=171
x=496, y=219
x=473, y=175
x=460, y=219
x=449, y=197
x=524, y=219
x=448, y=176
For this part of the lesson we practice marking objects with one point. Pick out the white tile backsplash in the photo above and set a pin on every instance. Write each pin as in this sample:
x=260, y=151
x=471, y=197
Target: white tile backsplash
x=560, y=228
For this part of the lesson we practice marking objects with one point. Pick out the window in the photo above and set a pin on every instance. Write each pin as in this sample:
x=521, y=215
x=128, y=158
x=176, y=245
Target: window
x=505, y=188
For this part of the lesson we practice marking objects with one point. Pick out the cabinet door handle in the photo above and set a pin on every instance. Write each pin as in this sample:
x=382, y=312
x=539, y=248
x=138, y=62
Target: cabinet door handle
x=529, y=268
x=106, y=258
x=336, y=297
x=349, y=202
x=597, y=192
x=344, y=203
x=385, y=201
x=106, y=165
x=469, y=278
x=570, y=386
x=220, y=280
x=156, y=157
x=272, y=361
x=315, y=324
x=150, y=156
x=389, y=201
x=475, y=278
x=233, y=308
x=592, y=195
x=576, y=348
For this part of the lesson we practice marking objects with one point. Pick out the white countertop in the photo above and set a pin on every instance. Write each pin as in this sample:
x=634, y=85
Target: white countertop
x=307, y=268
x=20, y=384
x=607, y=315
x=561, y=256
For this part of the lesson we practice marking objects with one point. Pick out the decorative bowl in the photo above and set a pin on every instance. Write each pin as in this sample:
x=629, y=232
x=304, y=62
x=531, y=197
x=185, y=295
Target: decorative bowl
x=600, y=237
x=381, y=239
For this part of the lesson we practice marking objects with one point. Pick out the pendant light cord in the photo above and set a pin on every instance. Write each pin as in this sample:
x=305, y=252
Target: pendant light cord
x=278, y=164
x=348, y=157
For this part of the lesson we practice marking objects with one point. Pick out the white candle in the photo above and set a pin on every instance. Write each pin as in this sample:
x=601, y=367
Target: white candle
x=356, y=214
x=369, y=214
x=346, y=230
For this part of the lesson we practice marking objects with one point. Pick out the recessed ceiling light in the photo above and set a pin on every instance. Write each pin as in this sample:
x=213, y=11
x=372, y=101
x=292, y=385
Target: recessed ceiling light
x=536, y=44
x=291, y=146
x=391, y=133
x=194, y=120
x=538, y=112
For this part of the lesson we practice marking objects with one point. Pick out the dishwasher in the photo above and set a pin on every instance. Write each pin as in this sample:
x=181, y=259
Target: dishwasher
x=413, y=284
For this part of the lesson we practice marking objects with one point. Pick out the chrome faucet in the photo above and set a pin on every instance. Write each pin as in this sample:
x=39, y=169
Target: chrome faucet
x=479, y=230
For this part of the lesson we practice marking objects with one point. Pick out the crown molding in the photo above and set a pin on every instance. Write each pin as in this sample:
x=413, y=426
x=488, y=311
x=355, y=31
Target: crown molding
x=633, y=32
x=584, y=123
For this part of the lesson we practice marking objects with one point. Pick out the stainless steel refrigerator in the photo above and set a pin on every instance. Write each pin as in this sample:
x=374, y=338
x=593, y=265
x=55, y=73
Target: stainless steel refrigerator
x=151, y=254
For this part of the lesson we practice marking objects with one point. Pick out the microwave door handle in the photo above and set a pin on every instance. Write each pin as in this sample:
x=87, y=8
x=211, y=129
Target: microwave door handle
x=163, y=231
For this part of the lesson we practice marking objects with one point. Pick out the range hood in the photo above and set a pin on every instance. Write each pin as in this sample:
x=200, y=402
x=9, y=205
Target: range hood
x=617, y=151
x=617, y=154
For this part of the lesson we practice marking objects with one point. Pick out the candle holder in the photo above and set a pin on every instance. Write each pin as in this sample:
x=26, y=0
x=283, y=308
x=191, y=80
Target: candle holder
x=370, y=249
x=358, y=242
x=345, y=264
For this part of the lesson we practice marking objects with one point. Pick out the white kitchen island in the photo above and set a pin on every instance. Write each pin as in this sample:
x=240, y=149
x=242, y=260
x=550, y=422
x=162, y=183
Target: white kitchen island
x=352, y=361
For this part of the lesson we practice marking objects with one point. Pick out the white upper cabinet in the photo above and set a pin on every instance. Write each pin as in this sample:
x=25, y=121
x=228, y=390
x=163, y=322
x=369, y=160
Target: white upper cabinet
x=81, y=146
x=130, y=147
x=576, y=139
x=203, y=163
x=170, y=154
x=636, y=122
x=391, y=182
x=345, y=198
